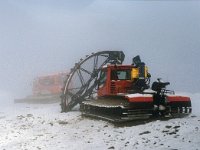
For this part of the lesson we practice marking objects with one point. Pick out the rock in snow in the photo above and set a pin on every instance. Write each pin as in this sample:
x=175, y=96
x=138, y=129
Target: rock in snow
x=42, y=126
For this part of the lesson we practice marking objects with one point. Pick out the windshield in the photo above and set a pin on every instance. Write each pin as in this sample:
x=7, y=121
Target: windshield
x=121, y=75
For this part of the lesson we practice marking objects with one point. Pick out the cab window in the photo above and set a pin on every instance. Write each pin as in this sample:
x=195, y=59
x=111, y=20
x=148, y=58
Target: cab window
x=121, y=75
x=102, y=79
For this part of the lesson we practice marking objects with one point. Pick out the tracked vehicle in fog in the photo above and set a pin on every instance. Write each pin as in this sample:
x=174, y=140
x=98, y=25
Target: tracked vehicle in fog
x=45, y=89
x=106, y=88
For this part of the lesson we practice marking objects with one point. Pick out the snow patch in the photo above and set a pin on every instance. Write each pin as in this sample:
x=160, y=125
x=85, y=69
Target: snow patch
x=138, y=95
x=42, y=126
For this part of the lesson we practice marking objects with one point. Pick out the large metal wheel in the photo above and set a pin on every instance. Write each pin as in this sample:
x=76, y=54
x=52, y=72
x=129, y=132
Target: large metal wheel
x=81, y=82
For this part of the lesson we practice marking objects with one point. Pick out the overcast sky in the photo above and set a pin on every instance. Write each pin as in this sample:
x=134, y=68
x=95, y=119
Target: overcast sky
x=38, y=37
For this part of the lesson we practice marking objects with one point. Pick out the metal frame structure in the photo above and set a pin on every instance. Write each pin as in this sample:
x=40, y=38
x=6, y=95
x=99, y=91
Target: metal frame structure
x=72, y=93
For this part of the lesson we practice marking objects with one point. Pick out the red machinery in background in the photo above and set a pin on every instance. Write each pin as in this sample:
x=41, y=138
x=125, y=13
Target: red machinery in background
x=45, y=89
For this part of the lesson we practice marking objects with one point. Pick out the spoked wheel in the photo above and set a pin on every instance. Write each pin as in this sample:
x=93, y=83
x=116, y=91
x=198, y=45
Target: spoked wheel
x=81, y=83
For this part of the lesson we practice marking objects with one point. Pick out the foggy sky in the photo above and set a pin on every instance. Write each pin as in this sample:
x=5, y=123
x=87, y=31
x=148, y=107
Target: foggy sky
x=38, y=37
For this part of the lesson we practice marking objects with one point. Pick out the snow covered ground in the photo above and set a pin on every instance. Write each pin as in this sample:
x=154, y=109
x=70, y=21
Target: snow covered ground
x=42, y=126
